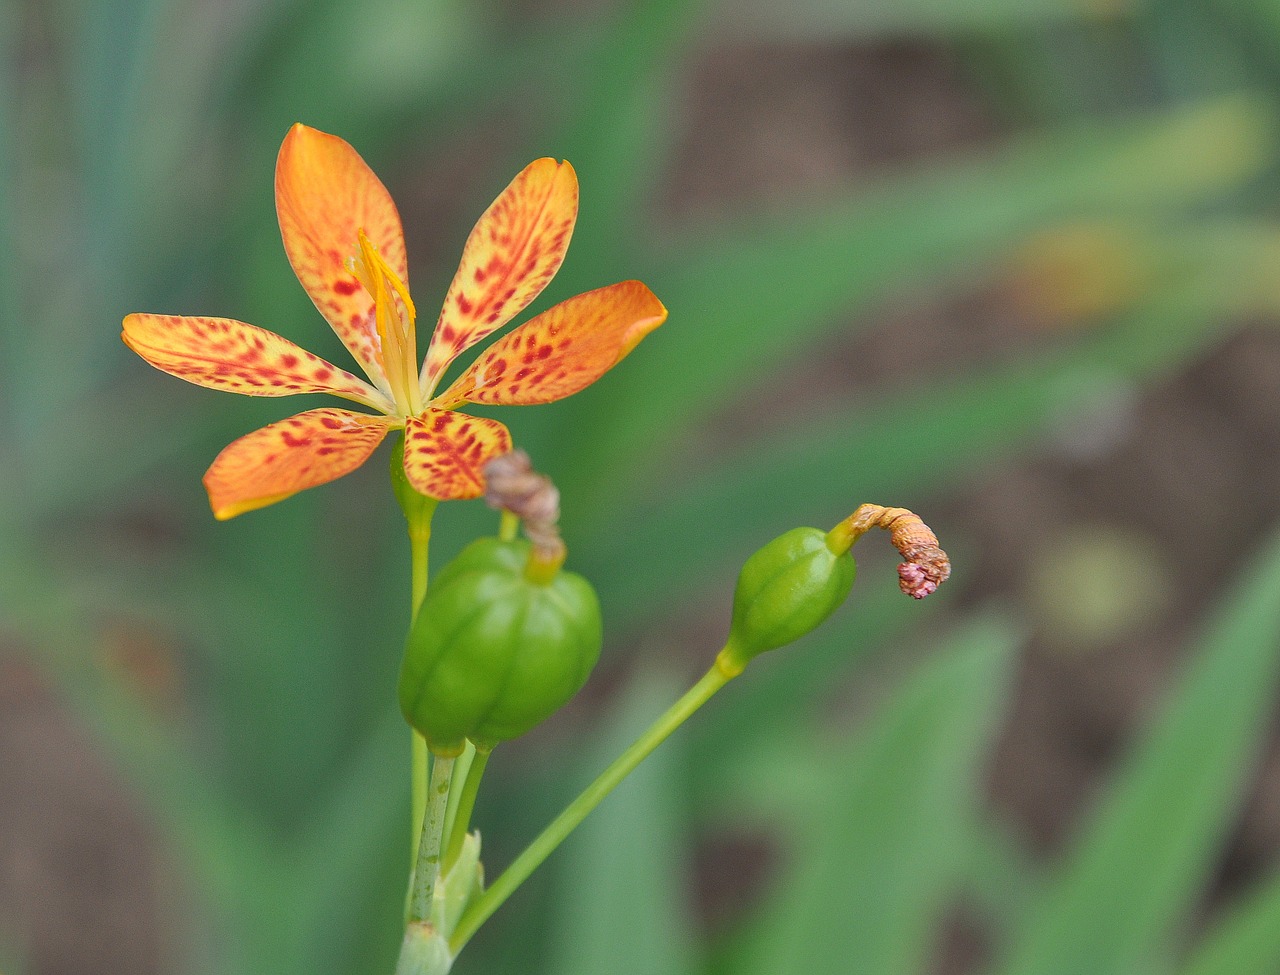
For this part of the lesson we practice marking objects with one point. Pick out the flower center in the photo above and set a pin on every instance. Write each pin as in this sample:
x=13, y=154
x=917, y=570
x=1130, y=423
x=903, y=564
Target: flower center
x=394, y=318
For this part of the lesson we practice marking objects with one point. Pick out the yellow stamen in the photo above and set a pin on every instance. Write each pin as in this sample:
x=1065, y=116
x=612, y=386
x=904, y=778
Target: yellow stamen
x=395, y=323
x=360, y=273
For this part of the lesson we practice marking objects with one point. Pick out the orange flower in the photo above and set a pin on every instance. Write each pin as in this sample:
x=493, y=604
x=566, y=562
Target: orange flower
x=342, y=233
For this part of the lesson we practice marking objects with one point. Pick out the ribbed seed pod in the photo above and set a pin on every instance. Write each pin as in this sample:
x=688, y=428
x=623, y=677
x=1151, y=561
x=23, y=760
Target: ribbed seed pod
x=493, y=652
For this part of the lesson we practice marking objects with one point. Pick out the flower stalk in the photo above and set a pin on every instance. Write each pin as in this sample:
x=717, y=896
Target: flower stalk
x=427, y=868
x=418, y=513
x=461, y=820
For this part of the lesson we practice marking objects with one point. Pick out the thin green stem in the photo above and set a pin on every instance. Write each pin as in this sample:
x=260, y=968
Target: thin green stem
x=418, y=511
x=419, y=545
x=508, y=525
x=427, y=870
x=466, y=803
x=564, y=824
x=461, y=769
x=418, y=797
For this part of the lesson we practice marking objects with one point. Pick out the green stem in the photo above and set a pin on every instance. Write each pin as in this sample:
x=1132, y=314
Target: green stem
x=508, y=525
x=427, y=869
x=461, y=769
x=564, y=824
x=419, y=543
x=466, y=803
x=418, y=511
x=418, y=797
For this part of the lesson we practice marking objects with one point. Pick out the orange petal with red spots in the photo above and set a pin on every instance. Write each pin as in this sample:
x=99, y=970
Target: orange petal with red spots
x=221, y=353
x=284, y=458
x=445, y=452
x=563, y=350
x=514, y=250
x=325, y=195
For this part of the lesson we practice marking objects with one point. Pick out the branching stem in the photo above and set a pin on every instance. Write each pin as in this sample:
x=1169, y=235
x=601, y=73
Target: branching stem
x=564, y=824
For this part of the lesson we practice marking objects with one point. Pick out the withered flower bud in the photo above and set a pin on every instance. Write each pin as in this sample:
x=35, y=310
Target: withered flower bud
x=925, y=566
x=512, y=484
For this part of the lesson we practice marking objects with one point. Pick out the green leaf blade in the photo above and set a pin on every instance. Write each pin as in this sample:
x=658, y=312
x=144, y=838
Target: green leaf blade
x=1132, y=876
x=885, y=846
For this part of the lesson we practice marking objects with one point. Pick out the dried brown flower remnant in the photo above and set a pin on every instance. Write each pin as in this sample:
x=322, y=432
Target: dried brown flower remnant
x=513, y=484
x=925, y=566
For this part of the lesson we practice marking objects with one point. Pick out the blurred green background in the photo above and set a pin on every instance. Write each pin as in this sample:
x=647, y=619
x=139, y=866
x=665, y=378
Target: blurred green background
x=1011, y=263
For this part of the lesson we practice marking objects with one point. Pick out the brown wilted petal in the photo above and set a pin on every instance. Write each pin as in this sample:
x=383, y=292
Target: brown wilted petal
x=512, y=484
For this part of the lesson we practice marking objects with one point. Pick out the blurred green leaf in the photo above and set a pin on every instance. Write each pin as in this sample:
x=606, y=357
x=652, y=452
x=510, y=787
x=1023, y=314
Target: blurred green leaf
x=113, y=47
x=879, y=848
x=1002, y=879
x=343, y=857
x=619, y=132
x=10, y=959
x=1197, y=53
x=624, y=899
x=104, y=468
x=218, y=842
x=822, y=20
x=10, y=363
x=346, y=69
x=1246, y=940
x=900, y=438
x=1151, y=841
x=288, y=664
x=755, y=293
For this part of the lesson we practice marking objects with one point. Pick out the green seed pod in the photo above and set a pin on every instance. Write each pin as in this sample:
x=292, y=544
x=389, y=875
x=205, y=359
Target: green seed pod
x=785, y=590
x=492, y=651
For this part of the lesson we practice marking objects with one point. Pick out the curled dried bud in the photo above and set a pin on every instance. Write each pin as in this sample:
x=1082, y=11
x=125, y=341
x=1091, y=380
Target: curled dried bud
x=512, y=484
x=925, y=566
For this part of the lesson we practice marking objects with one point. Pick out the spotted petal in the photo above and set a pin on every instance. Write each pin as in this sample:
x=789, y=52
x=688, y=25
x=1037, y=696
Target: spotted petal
x=445, y=452
x=221, y=353
x=325, y=195
x=563, y=350
x=284, y=458
x=515, y=249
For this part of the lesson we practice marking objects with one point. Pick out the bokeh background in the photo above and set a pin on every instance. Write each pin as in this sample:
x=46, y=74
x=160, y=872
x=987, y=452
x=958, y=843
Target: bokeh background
x=1011, y=263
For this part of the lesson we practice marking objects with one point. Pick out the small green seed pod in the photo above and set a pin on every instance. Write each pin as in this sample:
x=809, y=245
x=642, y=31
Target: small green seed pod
x=785, y=590
x=492, y=651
